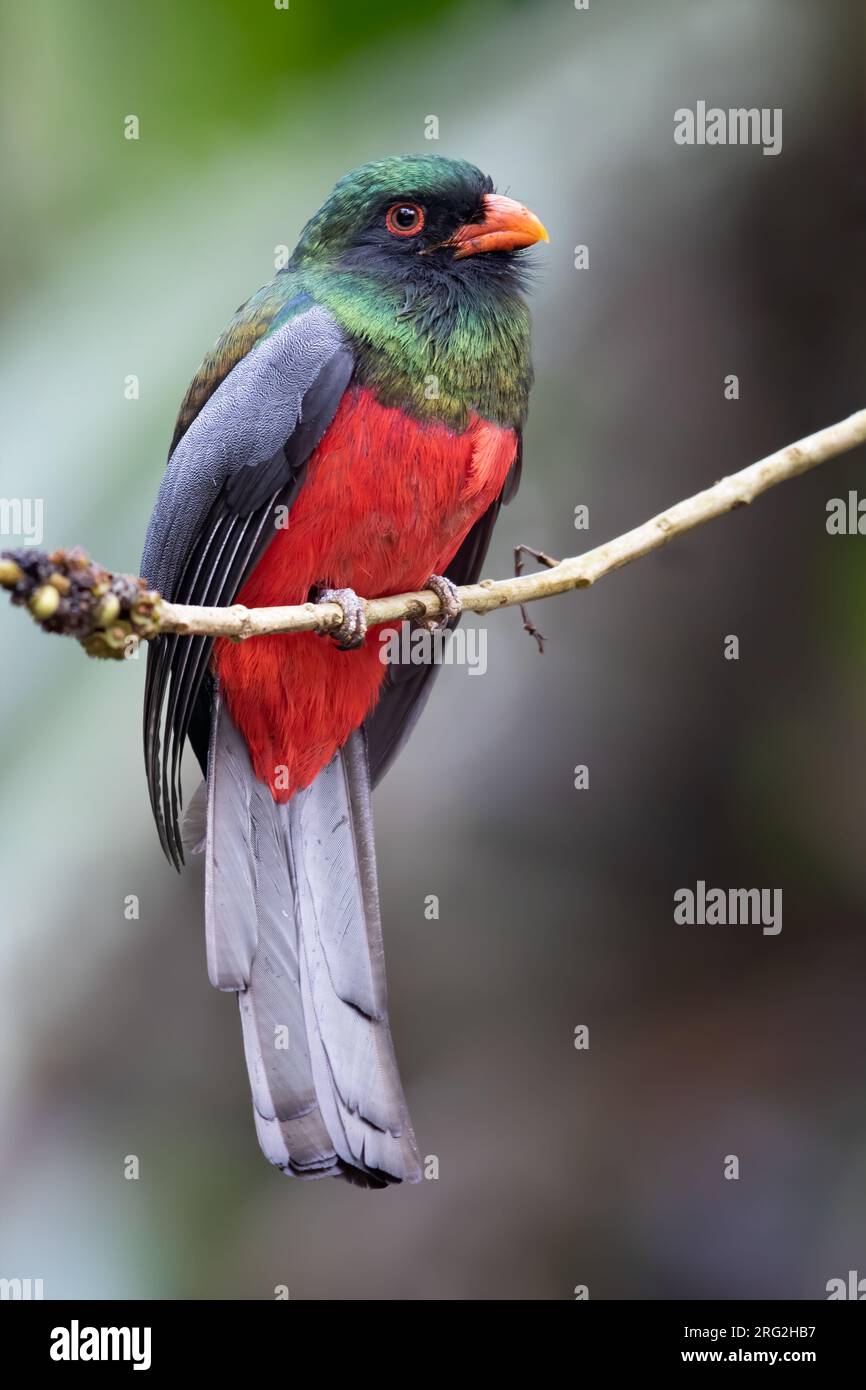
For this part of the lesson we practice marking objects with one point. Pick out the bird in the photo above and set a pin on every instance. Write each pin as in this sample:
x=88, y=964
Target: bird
x=354, y=431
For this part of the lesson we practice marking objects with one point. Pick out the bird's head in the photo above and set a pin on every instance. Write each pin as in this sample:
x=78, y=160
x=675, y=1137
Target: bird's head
x=418, y=215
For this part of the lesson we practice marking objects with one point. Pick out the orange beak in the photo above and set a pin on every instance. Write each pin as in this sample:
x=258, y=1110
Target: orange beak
x=507, y=225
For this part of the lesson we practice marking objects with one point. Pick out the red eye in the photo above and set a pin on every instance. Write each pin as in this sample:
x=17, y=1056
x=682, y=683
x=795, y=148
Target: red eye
x=404, y=219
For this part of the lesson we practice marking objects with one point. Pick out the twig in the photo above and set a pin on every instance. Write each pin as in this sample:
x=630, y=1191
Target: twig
x=543, y=559
x=143, y=614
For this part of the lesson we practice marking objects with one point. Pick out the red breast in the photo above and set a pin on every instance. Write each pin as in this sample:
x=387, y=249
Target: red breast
x=387, y=501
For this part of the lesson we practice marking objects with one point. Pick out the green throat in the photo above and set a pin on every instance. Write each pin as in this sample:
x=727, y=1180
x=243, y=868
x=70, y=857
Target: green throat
x=439, y=354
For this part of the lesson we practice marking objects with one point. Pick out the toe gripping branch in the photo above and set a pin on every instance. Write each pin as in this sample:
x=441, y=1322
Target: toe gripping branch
x=352, y=631
x=448, y=596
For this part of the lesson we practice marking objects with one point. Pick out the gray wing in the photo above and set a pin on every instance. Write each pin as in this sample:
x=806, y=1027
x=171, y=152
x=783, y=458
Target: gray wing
x=242, y=456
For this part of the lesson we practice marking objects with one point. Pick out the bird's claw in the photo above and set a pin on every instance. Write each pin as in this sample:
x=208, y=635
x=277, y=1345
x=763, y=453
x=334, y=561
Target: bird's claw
x=447, y=594
x=352, y=631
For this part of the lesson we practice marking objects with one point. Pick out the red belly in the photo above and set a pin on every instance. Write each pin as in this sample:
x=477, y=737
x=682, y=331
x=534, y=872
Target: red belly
x=386, y=502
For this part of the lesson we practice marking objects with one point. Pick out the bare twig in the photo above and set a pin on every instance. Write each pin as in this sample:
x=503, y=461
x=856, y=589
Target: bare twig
x=143, y=614
x=543, y=559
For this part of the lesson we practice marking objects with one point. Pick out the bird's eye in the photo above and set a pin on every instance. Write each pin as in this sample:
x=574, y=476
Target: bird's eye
x=404, y=219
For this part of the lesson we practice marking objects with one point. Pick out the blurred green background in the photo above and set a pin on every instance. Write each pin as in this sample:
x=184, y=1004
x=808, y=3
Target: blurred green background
x=557, y=1167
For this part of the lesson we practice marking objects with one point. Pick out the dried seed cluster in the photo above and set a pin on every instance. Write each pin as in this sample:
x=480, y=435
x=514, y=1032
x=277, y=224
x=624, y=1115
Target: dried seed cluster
x=68, y=593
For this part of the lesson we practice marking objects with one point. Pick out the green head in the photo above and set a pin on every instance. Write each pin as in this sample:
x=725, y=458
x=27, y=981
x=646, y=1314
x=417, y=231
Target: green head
x=421, y=261
x=415, y=211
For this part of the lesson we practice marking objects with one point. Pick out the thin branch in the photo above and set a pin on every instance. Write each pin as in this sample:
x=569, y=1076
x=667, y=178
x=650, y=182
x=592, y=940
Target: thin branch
x=140, y=613
x=543, y=559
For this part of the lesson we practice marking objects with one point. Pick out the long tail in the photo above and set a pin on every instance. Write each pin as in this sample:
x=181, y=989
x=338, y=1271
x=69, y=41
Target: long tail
x=292, y=913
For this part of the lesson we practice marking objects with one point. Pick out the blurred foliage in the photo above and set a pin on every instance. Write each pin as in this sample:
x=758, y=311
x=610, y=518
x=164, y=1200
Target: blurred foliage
x=199, y=75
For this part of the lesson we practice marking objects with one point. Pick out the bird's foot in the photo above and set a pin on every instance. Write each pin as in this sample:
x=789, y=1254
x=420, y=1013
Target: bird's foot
x=447, y=594
x=352, y=631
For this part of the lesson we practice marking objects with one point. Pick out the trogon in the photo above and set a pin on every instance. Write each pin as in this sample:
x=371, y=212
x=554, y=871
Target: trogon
x=354, y=431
